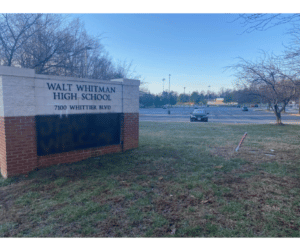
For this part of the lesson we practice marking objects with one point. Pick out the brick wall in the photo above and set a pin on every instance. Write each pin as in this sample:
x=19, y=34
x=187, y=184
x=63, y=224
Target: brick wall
x=2, y=148
x=18, y=150
x=131, y=131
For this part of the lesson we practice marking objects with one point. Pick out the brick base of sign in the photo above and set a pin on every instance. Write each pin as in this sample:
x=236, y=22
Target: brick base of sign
x=18, y=148
x=131, y=131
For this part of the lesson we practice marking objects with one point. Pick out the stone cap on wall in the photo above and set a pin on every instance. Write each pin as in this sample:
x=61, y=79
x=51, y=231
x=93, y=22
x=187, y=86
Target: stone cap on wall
x=24, y=93
x=127, y=81
x=16, y=71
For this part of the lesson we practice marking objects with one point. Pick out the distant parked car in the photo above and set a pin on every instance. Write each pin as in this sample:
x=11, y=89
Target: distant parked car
x=256, y=105
x=245, y=109
x=199, y=115
x=238, y=106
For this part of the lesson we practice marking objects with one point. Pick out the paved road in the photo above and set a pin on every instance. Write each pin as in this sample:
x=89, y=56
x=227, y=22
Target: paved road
x=218, y=115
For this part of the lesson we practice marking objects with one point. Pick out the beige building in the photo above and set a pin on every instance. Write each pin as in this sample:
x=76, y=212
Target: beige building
x=220, y=101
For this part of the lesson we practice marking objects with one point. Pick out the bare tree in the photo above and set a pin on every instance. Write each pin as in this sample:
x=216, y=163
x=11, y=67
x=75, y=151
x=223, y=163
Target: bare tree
x=269, y=79
x=53, y=45
x=244, y=96
x=292, y=52
x=59, y=48
x=264, y=21
x=15, y=31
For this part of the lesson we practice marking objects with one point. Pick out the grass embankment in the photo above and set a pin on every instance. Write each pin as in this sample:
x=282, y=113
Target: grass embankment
x=183, y=180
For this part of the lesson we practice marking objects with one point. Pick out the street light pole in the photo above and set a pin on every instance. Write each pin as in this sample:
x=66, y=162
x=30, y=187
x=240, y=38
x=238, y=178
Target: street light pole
x=209, y=91
x=163, y=84
x=169, y=112
x=85, y=62
x=169, y=82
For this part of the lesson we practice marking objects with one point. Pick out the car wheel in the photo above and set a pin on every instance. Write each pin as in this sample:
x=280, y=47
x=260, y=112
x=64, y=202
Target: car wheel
x=191, y=120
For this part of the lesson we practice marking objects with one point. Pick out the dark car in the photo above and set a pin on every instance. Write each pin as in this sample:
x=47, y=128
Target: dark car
x=245, y=109
x=256, y=105
x=238, y=106
x=199, y=115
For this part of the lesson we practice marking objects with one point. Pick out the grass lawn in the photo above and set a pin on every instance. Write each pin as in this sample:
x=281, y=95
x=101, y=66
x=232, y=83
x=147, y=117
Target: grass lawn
x=184, y=180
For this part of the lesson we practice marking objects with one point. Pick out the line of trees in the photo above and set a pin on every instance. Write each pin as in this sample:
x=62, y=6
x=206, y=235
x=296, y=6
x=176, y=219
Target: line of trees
x=172, y=98
x=55, y=44
x=240, y=96
x=165, y=98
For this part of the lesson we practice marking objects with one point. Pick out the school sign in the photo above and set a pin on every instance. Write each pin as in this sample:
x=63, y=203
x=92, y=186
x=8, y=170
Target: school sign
x=47, y=120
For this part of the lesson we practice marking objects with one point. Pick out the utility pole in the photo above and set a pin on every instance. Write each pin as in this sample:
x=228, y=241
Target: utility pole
x=184, y=90
x=169, y=82
x=163, y=84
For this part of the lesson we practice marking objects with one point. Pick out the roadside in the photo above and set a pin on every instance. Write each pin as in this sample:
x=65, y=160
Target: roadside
x=289, y=111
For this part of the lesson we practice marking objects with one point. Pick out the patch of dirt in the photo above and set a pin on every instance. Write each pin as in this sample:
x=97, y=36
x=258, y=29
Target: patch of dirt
x=257, y=156
x=259, y=189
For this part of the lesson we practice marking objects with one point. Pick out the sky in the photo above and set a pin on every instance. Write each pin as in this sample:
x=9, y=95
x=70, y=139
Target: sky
x=194, y=49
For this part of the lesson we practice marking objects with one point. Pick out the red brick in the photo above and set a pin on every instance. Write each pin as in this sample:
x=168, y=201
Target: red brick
x=19, y=153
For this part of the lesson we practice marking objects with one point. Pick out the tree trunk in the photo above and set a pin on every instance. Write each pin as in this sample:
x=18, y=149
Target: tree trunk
x=278, y=118
x=278, y=115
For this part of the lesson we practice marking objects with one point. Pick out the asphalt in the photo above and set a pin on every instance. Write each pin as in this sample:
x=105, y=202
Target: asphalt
x=227, y=115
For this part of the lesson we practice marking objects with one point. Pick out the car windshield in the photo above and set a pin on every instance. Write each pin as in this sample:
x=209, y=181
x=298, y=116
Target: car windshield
x=199, y=112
